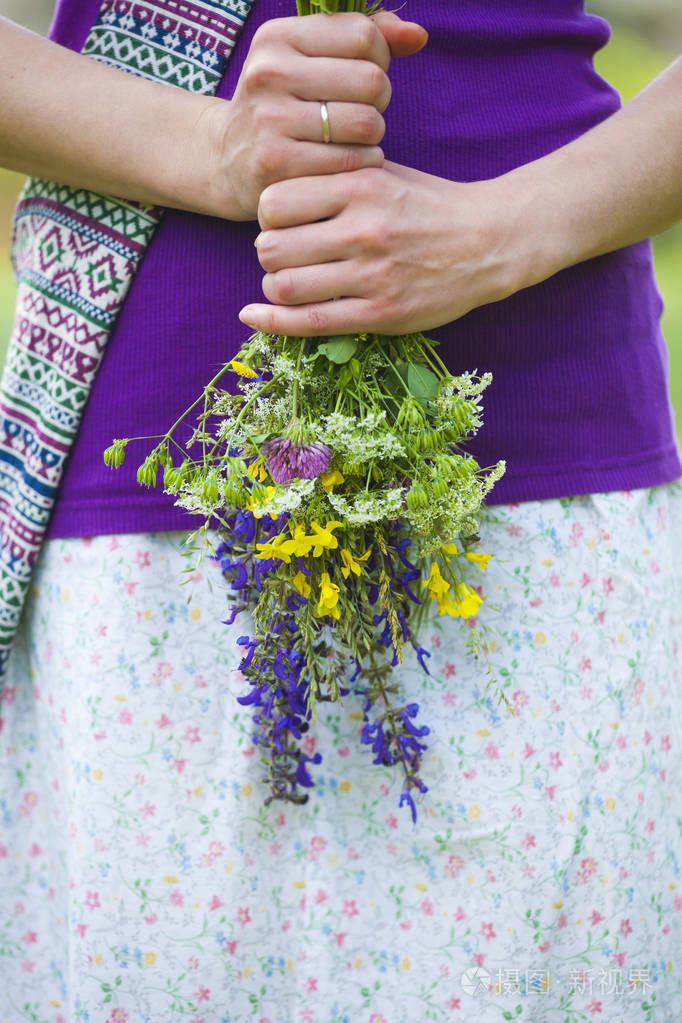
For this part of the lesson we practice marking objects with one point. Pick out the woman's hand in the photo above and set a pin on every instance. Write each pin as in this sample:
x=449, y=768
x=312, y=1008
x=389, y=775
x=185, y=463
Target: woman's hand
x=272, y=128
x=88, y=125
x=398, y=249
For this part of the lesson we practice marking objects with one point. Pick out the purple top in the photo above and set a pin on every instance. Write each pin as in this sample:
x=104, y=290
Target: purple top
x=579, y=400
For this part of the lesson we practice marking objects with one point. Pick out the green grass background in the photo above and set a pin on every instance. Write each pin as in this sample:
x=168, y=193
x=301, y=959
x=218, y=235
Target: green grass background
x=628, y=62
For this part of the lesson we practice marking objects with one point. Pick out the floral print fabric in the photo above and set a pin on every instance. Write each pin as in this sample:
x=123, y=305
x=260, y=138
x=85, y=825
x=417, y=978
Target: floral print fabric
x=143, y=880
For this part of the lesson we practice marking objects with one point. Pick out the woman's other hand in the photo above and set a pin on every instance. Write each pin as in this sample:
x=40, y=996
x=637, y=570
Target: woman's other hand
x=272, y=128
x=398, y=249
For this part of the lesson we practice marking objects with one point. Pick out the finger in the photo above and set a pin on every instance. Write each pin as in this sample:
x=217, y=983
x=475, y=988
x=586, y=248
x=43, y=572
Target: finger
x=403, y=37
x=356, y=123
x=345, y=35
x=306, y=245
x=330, y=78
x=304, y=158
x=310, y=284
x=304, y=199
x=347, y=315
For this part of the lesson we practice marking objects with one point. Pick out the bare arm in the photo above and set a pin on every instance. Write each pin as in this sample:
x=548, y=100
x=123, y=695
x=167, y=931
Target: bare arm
x=409, y=251
x=67, y=117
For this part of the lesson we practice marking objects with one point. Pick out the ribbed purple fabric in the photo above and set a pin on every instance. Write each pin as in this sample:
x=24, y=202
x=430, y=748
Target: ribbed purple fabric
x=579, y=401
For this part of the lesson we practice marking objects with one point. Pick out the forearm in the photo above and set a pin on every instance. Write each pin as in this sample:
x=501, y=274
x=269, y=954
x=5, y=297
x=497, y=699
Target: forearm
x=68, y=118
x=613, y=186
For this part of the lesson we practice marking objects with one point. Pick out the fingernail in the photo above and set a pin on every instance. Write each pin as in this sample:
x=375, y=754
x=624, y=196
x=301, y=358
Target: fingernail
x=246, y=315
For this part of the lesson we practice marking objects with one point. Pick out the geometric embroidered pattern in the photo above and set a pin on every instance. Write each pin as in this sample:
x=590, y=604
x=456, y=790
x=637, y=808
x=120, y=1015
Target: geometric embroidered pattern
x=75, y=254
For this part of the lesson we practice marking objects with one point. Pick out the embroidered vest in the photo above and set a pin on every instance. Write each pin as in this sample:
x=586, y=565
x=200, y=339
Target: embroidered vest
x=75, y=254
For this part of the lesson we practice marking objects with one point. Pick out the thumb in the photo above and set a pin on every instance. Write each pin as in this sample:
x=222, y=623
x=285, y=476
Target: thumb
x=402, y=37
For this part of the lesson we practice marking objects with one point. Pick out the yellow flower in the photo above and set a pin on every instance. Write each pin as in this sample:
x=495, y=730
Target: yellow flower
x=301, y=584
x=468, y=601
x=450, y=548
x=276, y=547
x=331, y=478
x=329, y=598
x=324, y=537
x=257, y=470
x=351, y=564
x=479, y=559
x=242, y=370
x=437, y=586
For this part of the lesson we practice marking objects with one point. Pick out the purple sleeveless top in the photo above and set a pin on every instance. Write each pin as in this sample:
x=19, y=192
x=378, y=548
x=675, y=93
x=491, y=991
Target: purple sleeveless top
x=579, y=400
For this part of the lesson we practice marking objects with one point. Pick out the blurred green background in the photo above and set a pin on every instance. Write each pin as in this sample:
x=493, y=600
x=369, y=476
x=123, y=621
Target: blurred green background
x=647, y=35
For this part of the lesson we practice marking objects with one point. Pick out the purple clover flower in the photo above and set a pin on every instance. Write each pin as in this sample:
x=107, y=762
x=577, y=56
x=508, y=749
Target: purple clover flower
x=289, y=460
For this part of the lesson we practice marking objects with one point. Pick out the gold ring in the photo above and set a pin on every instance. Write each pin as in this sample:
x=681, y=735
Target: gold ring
x=326, y=129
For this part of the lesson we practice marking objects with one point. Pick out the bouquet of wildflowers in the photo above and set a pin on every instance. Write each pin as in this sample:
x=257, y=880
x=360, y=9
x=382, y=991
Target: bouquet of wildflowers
x=346, y=510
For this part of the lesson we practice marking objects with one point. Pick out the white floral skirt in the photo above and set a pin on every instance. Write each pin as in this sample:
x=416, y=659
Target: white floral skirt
x=143, y=879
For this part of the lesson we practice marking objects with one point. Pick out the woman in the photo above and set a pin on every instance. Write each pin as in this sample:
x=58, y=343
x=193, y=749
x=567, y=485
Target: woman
x=142, y=876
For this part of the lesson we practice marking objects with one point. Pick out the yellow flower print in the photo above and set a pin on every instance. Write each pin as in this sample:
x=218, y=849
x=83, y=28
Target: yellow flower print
x=149, y=958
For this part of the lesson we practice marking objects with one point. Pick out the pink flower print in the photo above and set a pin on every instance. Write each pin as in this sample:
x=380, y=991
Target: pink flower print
x=243, y=915
x=275, y=848
x=449, y=699
x=470, y=775
x=125, y=717
x=231, y=946
x=391, y=848
x=9, y=694
x=164, y=721
x=594, y=1007
x=528, y=870
x=604, y=766
x=308, y=745
x=535, y=602
x=317, y=845
x=151, y=920
x=487, y=931
x=193, y=962
x=625, y=928
x=35, y=850
x=30, y=938
x=82, y=930
x=192, y=734
x=426, y=907
x=449, y=669
x=528, y=841
x=339, y=938
x=454, y=1003
x=677, y=903
x=607, y=586
x=621, y=741
x=665, y=744
x=513, y=530
x=619, y=959
x=555, y=761
x=587, y=869
x=27, y=966
x=444, y=971
x=349, y=908
x=516, y=810
x=306, y=1016
x=320, y=896
x=554, y=580
x=92, y=900
x=142, y=559
x=585, y=581
x=600, y=617
x=585, y=664
x=528, y=751
x=310, y=985
x=353, y=854
x=130, y=588
x=576, y=532
x=544, y=947
x=454, y=865
x=647, y=737
x=549, y=791
x=596, y=918
x=142, y=840
x=202, y=995
x=248, y=752
x=554, y=706
x=392, y=821
x=561, y=921
x=649, y=826
x=459, y=914
x=479, y=958
x=179, y=765
x=280, y=819
x=200, y=682
x=215, y=903
x=148, y=810
x=344, y=751
x=30, y=801
x=655, y=567
x=406, y=925
x=176, y=898
x=520, y=698
x=492, y=752
x=435, y=641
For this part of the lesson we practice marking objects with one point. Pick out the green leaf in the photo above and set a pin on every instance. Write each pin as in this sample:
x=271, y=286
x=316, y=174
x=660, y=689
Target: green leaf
x=423, y=384
x=340, y=348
